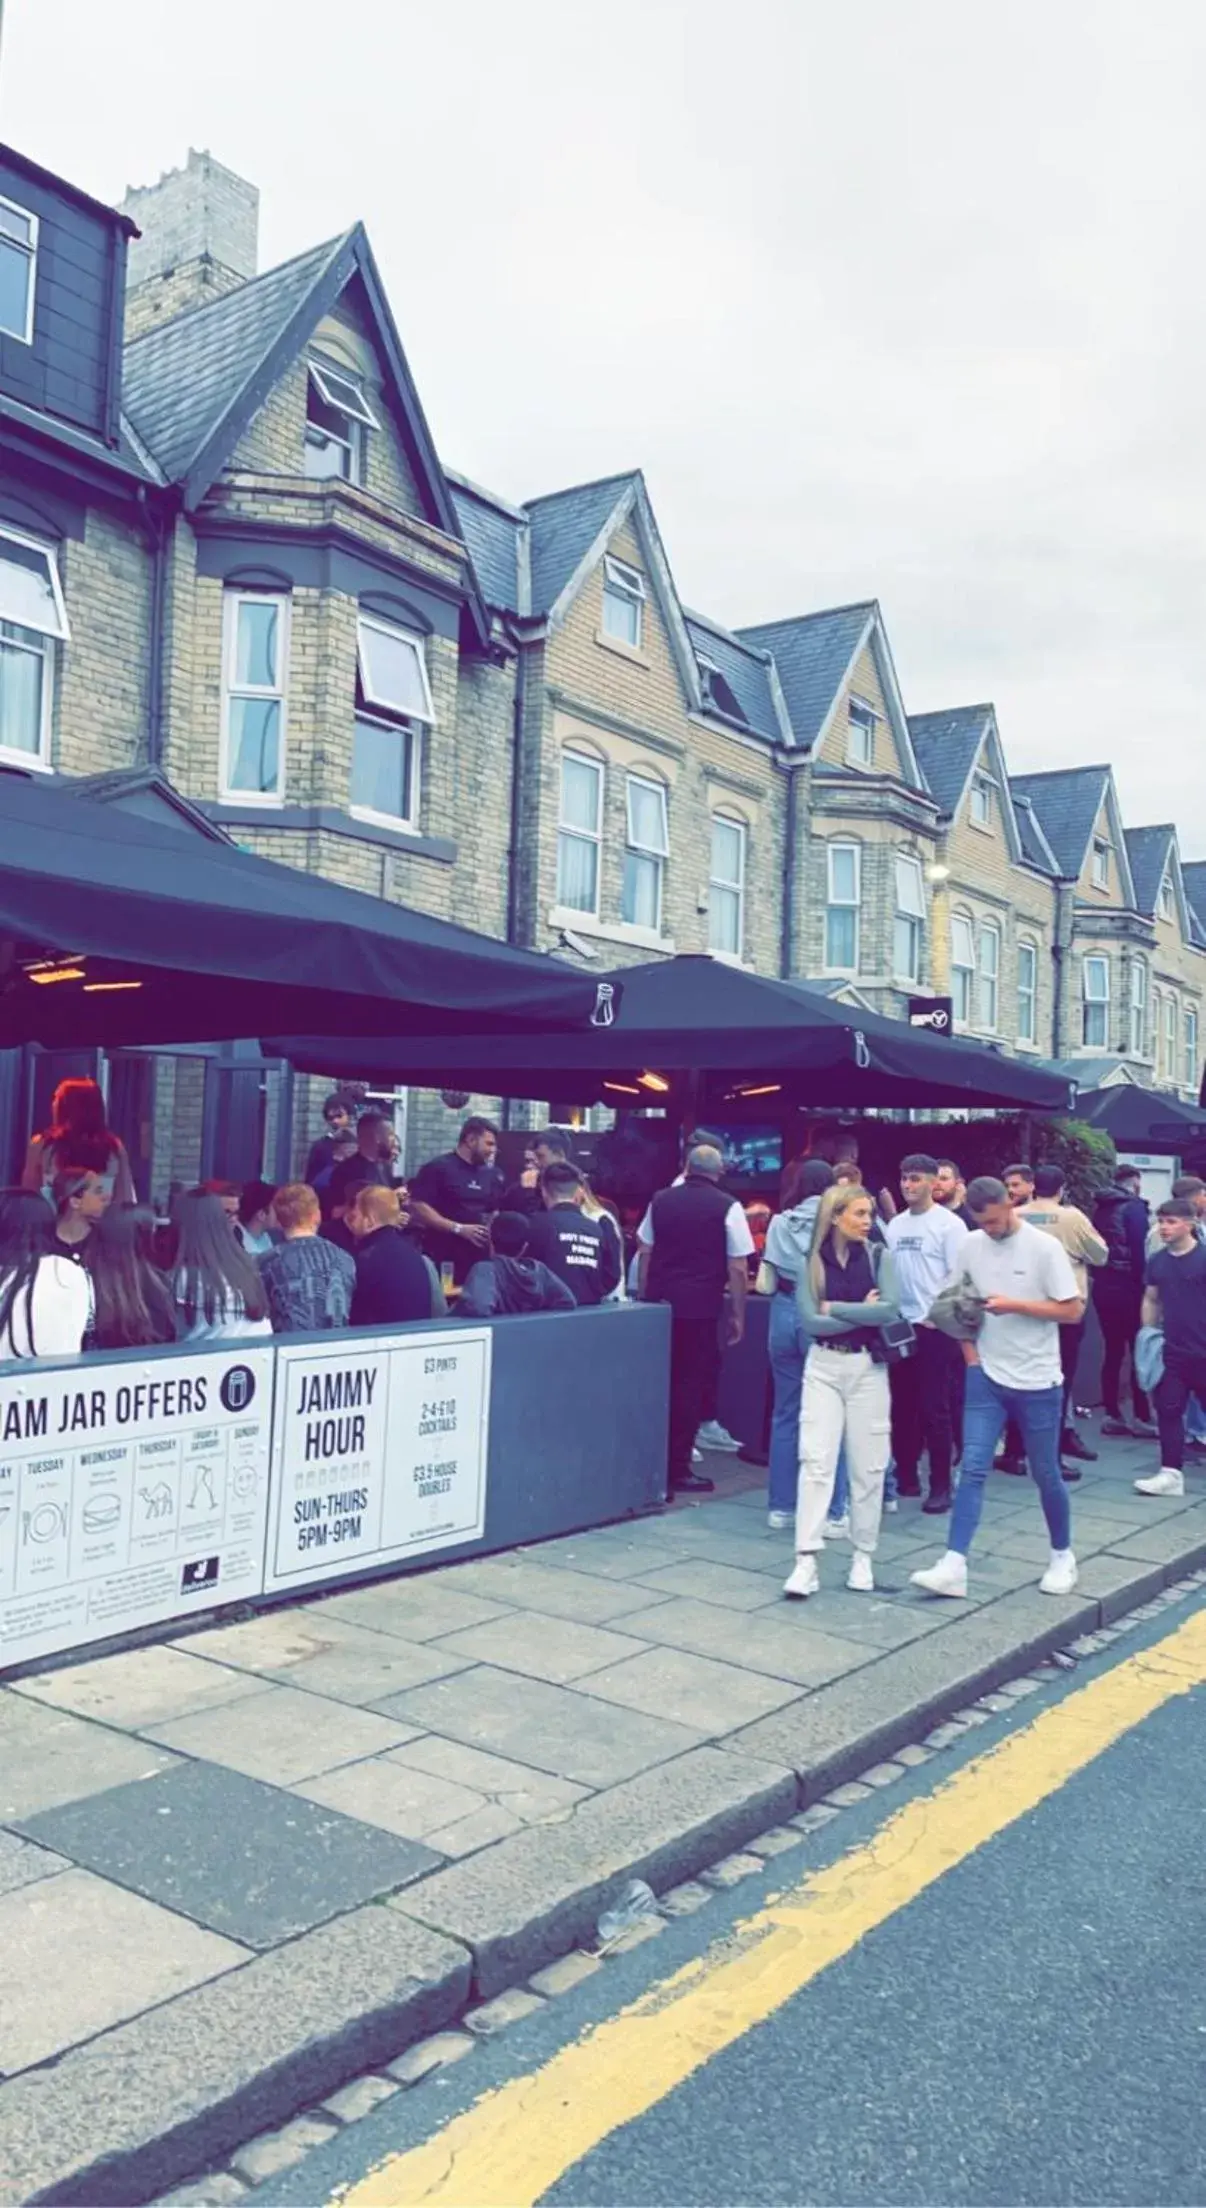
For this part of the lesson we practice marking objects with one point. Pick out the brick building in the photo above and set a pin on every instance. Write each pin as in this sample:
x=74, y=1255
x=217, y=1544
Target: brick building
x=239, y=588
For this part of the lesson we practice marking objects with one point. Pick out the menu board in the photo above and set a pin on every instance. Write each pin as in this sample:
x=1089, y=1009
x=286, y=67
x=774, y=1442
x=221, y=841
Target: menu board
x=379, y=1451
x=130, y=1492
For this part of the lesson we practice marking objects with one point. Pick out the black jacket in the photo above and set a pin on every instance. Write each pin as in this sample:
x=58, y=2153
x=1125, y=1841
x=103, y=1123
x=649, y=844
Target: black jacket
x=582, y=1252
x=1122, y=1222
x=689, y=1264
x=392, y=1282
x=507, y=1284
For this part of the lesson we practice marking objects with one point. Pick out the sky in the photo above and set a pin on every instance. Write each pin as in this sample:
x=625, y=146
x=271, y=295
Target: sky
x=892, y=300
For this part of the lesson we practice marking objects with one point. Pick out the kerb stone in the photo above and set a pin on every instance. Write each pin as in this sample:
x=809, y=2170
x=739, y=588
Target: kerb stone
x=1119, y=1584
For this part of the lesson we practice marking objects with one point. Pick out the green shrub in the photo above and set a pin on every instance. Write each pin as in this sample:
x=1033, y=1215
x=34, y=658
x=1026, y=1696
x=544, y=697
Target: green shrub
x=1085, y=1156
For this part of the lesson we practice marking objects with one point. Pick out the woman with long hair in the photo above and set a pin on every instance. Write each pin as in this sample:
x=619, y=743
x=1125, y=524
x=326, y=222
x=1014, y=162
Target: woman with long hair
x=45, y=1299
x=788, y=1247
x=81, y=1199
x=78, y=1136
x=847, y=1294
x=218, y=1293
x=133, y=1301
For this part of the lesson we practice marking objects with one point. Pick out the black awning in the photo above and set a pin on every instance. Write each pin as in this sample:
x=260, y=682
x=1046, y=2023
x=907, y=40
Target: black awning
x=222, y=943
x=1142, y=1119
x=699, y=1015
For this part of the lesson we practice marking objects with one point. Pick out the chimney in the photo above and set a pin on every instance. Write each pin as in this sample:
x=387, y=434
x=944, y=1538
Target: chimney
x=199, y=228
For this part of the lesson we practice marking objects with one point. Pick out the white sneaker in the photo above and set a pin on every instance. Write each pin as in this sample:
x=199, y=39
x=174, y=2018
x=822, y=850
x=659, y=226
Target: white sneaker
x=836, y=1529
x=716, y=1436
x=891, y=1505
x=947, y=1577
x=1164, y=1482
x=804, y=1581
x=780, y=1520
x=1061, y=1575
x=697, y=1456
x=860, y=1578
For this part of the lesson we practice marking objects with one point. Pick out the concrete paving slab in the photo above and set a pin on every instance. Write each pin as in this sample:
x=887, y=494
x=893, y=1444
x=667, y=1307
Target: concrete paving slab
x=1119, y=1583
x=155, y=2101
x=525, y=1585
x=712, y=1698
x=708, y=1582
x=280, y=1642
x=139, y=1686
x=521, y=1904
x=528, y=1795
x=78, y=1954
x=48, y=1757
x=832, y=1735
x=553, y=1728
x=612, y=1553
x=21, y=1863
x=283, y=1735
x=873, y=1622
x=556, y=1649
x=241, y=1858
x=377, y=1665
x=419, y=1607
x=480, y=1830
x=382, y=1792
x=1180, y=1541
x=780, y=1642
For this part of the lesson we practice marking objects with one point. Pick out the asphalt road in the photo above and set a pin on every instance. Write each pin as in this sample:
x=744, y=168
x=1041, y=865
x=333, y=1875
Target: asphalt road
x=1029, y=2028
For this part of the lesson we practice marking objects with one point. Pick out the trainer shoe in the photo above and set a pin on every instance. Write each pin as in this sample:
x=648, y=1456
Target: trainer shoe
x=1060, y=1575
x=716, y=1436
x=947, y=1577
x=1164, y=1482
x=1120, y=1428
x=836, y=1529
x=780, y=1520
x=804, y=1581
x=1146, y=1428
x=1072, y=1446
x=860, y=1579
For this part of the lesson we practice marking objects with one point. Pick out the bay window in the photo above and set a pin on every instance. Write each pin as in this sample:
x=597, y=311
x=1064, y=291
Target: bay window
x=1138, y=1008
x=909, y=926
x=963, y=968
x=646, y=851
x=255, y=662
x=842, y=906
x=1027, y=993
x=990, y=975
x=726, y=886
x=579, y=832
x=1095, y=984
x=393, y=706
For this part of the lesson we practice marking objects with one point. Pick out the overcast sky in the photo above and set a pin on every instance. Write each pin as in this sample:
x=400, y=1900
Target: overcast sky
x=900, y=300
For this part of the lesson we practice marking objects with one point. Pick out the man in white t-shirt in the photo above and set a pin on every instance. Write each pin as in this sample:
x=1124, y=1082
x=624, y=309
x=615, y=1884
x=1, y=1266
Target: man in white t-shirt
x=1029, y=1292
x=926, y=1244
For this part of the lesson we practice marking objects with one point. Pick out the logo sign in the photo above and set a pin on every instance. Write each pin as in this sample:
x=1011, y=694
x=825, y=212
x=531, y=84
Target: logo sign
x=604, y=1014
x=195, y=1578
x=936, y=1013
x=237, y=1387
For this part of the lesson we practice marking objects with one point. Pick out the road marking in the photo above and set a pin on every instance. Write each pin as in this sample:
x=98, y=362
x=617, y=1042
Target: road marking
x=519, y=2139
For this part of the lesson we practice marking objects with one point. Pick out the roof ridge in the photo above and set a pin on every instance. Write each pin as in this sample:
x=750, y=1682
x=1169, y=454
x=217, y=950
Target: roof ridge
x=947, y=712
x=727, y=636
x=488, y=498
x=789, y=620
x=324, y=252
x=596, y=482
x=1051, y=774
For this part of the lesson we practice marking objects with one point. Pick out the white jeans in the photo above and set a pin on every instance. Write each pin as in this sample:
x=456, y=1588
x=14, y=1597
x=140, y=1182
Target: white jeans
x=845, y=1395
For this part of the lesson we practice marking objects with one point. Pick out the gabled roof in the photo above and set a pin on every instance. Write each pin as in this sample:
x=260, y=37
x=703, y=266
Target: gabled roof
x=565, y=526
x=1067, y=802
x=946, y=745
x=193, y=384
x=1034, y=845
x=1148, y=851
x=812, y=654
x=1193, y=875
x=494, y=533
x=146, y=792
x=750, y=675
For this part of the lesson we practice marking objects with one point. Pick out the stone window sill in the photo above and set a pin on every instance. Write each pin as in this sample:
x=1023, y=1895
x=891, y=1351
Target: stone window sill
x=609, y=931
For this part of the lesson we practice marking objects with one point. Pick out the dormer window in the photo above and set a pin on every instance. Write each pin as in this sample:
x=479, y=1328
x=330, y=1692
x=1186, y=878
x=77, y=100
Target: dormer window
x=337, y=416
x=860, y=734
x=1100, y=863
x=1166, y=907
x=718, y=693
x=18, y=271
x=623, y=602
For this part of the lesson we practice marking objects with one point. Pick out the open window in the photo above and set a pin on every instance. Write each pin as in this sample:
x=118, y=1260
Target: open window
x=719, y=695
x=393, y=706
x=623, y=602
x=18, y=271
x=860, y=733
x=337, y=417
x=33, y=622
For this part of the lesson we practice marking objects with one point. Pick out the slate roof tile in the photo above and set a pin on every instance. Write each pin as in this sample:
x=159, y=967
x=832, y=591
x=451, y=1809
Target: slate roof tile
x=491, y=529
x=744, y=669
x=811, y=653
x=1067, y=802
x=1147, y=849
x=946, y=745
x=564, y=527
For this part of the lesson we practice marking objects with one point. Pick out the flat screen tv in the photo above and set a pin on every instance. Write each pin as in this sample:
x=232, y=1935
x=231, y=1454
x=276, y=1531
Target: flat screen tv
x=751, y=1153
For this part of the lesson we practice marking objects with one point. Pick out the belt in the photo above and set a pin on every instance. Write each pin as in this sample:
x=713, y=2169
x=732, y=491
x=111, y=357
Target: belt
x=785, y=1287
x=843, y=1349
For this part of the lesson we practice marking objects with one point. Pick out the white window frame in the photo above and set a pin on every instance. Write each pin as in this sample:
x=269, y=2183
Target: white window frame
x=728, y=888
x=341, y=390
x=863, y=717
x=575, y=834
x=963, y=970
x=405, y=721
x=40, y=640
x=30, y=250
x=233, y=599
x=979, y=804
x=1166, y=903
x=1100, y=863
x=1193, y=1065
x=623, y=585
x=1138, y=1008
x=1172, y=1033
x=1027, y=992
x=988, y=975
x=910, y=916
x=1095, y=1000
x=323, y=377
x=854, y=904
x=658, y=855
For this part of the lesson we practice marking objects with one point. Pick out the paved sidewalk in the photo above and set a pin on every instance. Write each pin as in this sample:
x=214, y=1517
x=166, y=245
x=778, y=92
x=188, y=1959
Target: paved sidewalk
x=241, y=1867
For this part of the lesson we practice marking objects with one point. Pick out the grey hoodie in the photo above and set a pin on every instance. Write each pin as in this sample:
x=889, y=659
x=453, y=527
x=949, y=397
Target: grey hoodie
x=789, y=1238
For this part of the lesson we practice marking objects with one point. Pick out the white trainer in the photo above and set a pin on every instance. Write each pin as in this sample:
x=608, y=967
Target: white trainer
x=947, y=1577
x=1164, y=1482
x=804, y=1581
x=861, y=1578
x=716, y=1436
x=1061, y=1575
x=780, y=1520
x=836, y=1529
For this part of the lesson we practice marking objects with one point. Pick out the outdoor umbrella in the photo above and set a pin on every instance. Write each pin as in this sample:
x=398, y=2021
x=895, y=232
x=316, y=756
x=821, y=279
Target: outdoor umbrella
x=115, y=929
x=700, y=1016
x=1142, y=1119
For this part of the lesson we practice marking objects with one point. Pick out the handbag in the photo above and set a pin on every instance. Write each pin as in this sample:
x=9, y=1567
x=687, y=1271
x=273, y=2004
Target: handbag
x=958, y=1310
x=768, y=1278
x=898, y=1339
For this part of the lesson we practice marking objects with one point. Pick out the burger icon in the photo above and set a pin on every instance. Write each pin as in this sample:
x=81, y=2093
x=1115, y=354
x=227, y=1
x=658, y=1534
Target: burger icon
x=102, y=1512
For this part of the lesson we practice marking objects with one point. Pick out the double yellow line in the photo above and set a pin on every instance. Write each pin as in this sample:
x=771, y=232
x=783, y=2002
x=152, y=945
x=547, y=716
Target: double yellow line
x=516, y=2142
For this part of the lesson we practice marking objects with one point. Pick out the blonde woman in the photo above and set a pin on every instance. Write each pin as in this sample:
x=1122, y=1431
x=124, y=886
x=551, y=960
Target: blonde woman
x=847, y=1293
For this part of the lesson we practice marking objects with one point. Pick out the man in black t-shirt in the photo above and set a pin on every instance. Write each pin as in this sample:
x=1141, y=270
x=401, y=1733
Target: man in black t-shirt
x=372, y=1161
x=453, y=1198
x=581, y=1251
x=1175, y=1298
x=525, y=1195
